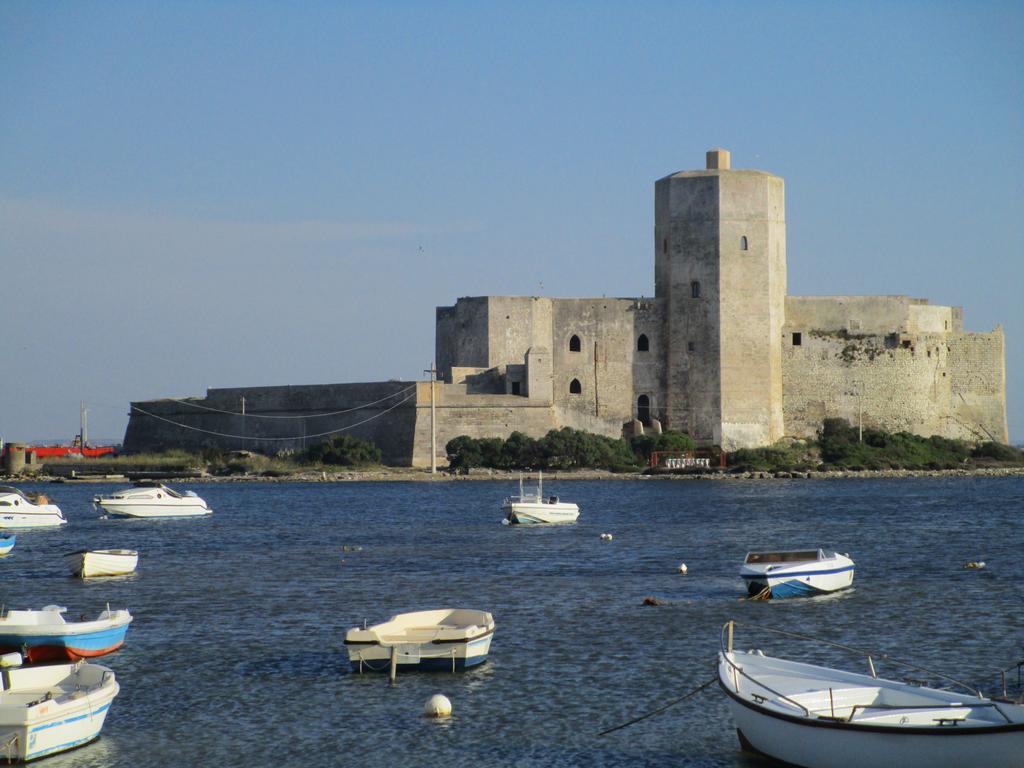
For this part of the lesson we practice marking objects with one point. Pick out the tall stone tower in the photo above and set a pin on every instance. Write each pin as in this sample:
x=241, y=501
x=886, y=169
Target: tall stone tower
x=720, y=267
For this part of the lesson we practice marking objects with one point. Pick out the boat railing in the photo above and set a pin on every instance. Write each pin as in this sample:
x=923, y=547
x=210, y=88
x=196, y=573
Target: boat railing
x=727, y=643
x=10, y=747
x=931, y=707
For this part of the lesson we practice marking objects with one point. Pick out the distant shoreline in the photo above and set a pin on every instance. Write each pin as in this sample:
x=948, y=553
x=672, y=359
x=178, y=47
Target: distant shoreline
x=417, y=475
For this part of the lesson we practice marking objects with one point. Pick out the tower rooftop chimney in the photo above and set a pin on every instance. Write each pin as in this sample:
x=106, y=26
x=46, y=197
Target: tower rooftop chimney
x=718, y=160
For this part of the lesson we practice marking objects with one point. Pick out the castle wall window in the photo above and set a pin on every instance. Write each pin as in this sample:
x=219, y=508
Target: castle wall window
x=643, y=410
x=574, y=343
x=515, y=387
x=691, y=346
x=642, y=344
x=797, y=338
x=575, y=388
x=743, y=243
x=695, y=289
x=664, y=245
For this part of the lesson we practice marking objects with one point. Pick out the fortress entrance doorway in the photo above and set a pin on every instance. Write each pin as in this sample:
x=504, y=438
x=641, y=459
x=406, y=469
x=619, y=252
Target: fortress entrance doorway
x=643, y=410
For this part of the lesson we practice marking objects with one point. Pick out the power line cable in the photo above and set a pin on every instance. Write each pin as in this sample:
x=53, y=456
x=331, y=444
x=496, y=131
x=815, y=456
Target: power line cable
x=310, y=416
x=273, y=439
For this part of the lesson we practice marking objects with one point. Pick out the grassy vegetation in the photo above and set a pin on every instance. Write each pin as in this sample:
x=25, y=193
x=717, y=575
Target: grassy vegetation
x=562, y=449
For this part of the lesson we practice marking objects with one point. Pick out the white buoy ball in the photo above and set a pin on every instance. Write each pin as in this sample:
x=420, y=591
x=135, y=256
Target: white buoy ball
x=683, y=568
x=437, y=705
x=606, y=537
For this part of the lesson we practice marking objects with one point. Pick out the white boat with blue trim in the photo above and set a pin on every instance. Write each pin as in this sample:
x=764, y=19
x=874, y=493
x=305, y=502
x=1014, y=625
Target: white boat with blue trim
x=45, y=635
x=7, y=543
x=52, y=708
x=796, y=573
x=818, y=717
x=447, y=639
x=532, y=507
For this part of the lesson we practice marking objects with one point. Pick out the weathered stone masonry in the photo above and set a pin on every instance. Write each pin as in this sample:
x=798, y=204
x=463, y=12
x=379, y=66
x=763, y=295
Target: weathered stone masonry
x=721, y=352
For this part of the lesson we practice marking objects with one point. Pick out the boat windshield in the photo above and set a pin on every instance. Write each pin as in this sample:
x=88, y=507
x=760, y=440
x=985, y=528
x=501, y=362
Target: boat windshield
x=793, y=556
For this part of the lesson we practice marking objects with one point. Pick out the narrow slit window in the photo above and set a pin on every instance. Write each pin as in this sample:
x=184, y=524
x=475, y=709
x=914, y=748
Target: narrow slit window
x=642, y=344
x=695, y=289
x=574, y=343
x=743, y=243
x=575, y=388
x=691, y=346
x=797, y=338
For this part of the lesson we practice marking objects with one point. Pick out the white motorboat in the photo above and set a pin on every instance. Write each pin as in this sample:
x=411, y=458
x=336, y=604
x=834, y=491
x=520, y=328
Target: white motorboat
x=27, y=510
x=152, y=499
x=446, y=639
x=52, y=708
x=532, y=507
x=818, y=717
x=796, y=573
x=102, y=562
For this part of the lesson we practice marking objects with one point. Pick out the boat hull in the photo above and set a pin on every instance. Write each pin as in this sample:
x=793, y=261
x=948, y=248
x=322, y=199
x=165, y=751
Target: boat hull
x=822, y=747
x=425, y=657
x=95, y=564
x=70, y=719
x=6, y=544
x=48, y=640
x=803, y=580
x=48, y=516
x=124, y=509
x=540, y=514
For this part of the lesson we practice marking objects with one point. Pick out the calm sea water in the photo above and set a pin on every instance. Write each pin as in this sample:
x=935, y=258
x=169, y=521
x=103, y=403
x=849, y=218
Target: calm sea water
x=235, y=656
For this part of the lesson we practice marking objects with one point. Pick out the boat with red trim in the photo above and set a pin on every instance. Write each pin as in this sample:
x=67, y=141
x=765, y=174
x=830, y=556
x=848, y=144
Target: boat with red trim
x=818, y=717
x=45, y=635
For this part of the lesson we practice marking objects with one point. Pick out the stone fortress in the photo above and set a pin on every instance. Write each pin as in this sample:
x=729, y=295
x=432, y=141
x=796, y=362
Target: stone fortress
x=721, y=352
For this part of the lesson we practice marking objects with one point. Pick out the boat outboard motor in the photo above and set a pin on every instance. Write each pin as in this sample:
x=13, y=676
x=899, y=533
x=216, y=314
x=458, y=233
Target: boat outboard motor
x=553, y=500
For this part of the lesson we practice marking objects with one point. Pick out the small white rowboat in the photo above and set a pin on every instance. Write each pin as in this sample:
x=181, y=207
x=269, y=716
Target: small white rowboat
x=818, y=717
x=88, y=563
x=52, y=708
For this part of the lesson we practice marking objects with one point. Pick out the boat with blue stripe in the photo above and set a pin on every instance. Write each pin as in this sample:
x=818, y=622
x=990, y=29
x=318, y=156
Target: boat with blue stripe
x=796, y=573
x=51, y=708
x=6, y=544
x=45, y=635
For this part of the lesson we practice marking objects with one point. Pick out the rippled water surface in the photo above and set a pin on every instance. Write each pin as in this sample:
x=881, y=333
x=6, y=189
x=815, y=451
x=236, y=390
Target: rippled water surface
x=235, y=656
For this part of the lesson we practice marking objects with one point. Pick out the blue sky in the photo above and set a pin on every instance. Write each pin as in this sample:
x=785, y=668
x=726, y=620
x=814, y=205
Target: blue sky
x=196, y=195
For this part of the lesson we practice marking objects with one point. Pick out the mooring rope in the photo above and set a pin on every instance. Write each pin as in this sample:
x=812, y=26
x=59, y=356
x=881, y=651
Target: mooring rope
x=658, y=711
x=275, y=439
x=304, y=416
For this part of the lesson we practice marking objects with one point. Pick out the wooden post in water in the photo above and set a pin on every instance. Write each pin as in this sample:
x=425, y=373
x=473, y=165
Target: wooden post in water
x=393, y=670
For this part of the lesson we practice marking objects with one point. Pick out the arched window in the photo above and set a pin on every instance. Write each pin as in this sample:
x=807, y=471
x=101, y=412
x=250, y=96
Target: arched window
x=575, y=388
x=695, y=289
x=642, y=344
x=643, y=410
x=743, y=243
x=574, y=343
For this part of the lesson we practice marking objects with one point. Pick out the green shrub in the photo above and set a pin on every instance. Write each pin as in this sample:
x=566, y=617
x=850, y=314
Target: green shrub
x=345, y=451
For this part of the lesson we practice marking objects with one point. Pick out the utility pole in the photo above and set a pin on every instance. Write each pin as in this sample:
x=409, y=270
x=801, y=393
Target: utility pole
x=433, y=429
x=243, y=417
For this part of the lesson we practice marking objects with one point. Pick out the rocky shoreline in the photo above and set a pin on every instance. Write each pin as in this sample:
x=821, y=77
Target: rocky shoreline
x=406, y=474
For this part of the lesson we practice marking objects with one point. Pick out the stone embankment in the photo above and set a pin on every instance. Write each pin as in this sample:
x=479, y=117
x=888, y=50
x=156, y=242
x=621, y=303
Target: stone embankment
x=402, y=474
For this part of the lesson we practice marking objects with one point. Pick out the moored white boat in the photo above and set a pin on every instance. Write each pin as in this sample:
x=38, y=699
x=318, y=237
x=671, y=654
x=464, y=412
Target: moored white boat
x=152, y=499
x=46, y=636
x=27, y=510
x=88, y=563
x=7, y=543
x=796, y=573
x=52, y=708
x=819, y=717
x=533, y=508
x=446, y=639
